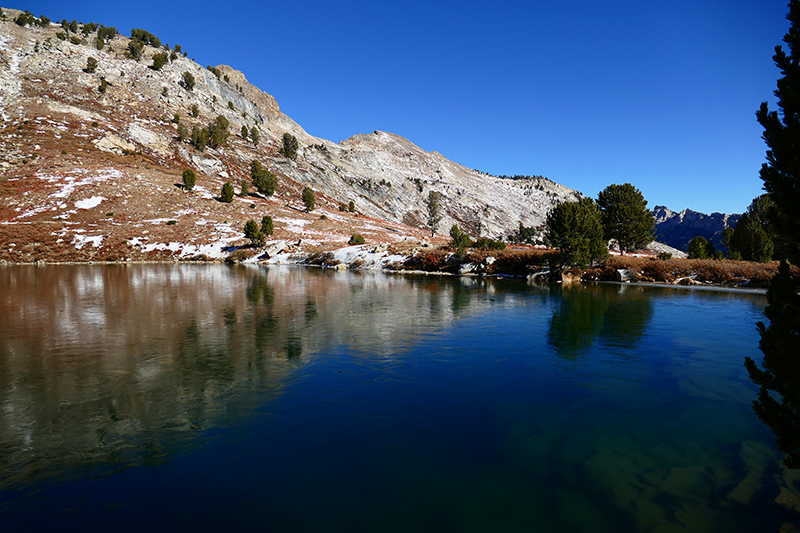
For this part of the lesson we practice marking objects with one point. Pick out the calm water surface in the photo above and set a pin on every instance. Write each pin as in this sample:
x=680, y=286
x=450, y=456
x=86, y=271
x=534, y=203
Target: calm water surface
x=286, y=399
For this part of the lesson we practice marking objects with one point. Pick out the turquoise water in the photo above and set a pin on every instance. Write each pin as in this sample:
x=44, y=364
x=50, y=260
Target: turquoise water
x=287, y=399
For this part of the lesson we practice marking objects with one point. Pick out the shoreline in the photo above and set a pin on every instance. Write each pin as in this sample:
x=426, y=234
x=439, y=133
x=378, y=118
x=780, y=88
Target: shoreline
x=359, y=258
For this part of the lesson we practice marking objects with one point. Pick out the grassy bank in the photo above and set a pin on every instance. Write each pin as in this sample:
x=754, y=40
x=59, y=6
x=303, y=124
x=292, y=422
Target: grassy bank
x=526, y=262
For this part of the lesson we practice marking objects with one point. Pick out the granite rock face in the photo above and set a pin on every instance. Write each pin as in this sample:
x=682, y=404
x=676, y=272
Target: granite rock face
x=50, y=102
x=678, y=229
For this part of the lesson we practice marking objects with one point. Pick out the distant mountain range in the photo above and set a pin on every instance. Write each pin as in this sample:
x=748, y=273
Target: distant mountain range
x=678, y=229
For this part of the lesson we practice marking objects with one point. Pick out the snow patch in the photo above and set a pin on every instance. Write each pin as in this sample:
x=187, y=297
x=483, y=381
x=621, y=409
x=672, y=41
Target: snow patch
x=89, y=203
x=82, y=240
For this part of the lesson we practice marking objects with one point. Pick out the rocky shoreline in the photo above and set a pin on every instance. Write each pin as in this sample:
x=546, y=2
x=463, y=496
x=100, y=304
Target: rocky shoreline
x=534, y=265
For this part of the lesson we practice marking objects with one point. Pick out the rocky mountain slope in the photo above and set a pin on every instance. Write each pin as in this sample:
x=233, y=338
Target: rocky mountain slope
x=87, y=174
x=678, y=229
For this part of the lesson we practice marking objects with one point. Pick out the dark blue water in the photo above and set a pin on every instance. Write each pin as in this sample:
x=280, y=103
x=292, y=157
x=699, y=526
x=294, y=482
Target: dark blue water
x=211, y=397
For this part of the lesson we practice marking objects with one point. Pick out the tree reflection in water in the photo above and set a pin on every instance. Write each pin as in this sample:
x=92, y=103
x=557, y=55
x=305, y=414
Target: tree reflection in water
x=615, y=315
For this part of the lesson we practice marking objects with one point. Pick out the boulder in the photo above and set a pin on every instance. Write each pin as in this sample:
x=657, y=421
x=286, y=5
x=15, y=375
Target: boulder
x=275, y=249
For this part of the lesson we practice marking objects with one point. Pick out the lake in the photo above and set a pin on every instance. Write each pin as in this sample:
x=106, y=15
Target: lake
x=210, y=397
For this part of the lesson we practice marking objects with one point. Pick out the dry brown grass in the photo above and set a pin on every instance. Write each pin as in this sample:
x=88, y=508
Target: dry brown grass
x=722, y=272
x=513, y=262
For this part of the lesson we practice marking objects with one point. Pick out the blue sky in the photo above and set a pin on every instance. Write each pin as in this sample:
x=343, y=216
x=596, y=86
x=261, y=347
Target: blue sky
x=588, y=93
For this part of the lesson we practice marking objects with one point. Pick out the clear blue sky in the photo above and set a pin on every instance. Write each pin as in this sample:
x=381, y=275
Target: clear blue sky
x=588, y=93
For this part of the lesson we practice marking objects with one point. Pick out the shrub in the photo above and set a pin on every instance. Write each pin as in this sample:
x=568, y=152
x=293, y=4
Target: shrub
x=63, y=36
x=664, y=256
x=485, y=243
x=309, y=198
x=218, y=132
x=171, y=222
x=176, y=118
x=245, y=132
x=226, y=195
x=342, y=206
x=356, y=239
x=289, y=148
x=188, y=81
x=230, y=105
x=103, y=85
x=145, y=37
x=74, y=39
x=26, y=18
x=98, y=43
x=213, y=70
x=199, y=138
x=195, y=110
x=189, y=179
x=254, y=135
x=252, y=232
x=104, y=32
x=267, y=226
x=135, y=49
x=91, y=65
x=159, y=60
x=351, y=206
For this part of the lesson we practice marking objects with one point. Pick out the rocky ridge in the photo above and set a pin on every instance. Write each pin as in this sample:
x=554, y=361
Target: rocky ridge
x=91, y=175
x=678, y=229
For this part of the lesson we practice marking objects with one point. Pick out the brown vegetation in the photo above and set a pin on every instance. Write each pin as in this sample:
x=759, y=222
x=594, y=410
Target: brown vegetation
x=722, y=272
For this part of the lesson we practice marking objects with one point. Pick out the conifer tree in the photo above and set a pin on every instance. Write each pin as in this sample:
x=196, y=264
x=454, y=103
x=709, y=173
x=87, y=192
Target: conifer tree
x=254, y=233
x=778, y=403
x=576, y=230
x=264, y=180
x=626, y=217
x=309, y=198
x=267, y=225
x=433, y=205
x=189, y=179
x=227, y=193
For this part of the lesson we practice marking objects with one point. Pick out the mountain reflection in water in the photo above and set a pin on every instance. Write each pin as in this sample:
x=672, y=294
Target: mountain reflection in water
x=209, y=396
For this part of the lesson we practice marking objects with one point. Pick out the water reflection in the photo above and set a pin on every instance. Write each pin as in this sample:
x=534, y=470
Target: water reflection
x=123, y=365
x=383, y=402
x=615, y=315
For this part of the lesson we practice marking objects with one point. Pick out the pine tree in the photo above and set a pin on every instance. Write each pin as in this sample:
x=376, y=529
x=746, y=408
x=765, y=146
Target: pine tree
x=267, y=225
x=188, y=81
x=626, y=217
x=778, y=403
x=218, y=132
x=698, y=248
x=227, y=193
x=290, y=145
x=252, y=232
x=263, y=180
x=309, y=198
x=189, y=179
x=433, y=205
x=576, y=230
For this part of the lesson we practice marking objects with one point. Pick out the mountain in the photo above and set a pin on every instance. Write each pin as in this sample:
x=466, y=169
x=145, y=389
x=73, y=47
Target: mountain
x=91, y=174
x=677, y=229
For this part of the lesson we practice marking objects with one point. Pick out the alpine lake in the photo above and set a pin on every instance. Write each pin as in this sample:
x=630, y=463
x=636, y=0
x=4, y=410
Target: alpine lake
x=211, y=397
